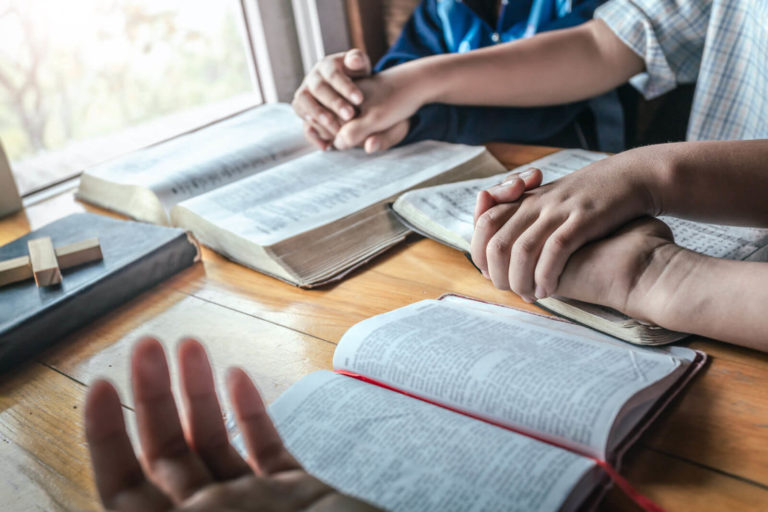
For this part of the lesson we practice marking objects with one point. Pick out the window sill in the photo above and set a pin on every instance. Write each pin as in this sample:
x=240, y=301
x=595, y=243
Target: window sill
x=54, y=169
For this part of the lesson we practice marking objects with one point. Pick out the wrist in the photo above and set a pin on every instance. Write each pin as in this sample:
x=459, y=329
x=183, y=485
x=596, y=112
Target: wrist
x=648, y=171
x=431, y=79
x=667, y=163
x=661, y=290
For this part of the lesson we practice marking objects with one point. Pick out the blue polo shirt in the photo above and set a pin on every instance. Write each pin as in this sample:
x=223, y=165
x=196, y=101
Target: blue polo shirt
x=450, y=26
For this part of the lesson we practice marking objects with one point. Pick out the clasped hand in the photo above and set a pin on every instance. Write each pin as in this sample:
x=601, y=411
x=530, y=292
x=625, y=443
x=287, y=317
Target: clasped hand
x=585, y=236
x=343, y=105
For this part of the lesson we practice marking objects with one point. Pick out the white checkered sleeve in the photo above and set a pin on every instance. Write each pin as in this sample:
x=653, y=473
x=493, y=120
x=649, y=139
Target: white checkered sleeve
x=667, y=34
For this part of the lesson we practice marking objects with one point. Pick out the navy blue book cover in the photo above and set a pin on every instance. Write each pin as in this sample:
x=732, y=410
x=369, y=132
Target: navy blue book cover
x=137, y=256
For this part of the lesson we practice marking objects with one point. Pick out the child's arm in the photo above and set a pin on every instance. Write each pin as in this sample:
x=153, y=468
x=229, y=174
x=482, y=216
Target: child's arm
x=642, y=273
x=551, y=68
x=715, y=181
x=548, y=69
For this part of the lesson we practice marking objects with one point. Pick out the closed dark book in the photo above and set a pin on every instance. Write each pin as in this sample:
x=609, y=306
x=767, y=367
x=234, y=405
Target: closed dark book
x=137, y=256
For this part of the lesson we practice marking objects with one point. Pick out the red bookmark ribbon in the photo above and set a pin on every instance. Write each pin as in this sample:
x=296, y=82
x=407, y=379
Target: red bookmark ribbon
x=645, y=503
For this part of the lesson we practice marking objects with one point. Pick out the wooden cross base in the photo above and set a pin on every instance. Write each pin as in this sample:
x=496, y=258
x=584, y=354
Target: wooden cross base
x=44, y=263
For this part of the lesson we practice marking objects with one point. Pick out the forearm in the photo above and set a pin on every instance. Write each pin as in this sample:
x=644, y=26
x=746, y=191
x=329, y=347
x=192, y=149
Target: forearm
x=481, y=125
x=715, y=181
x=721, y=299
x=551, y=68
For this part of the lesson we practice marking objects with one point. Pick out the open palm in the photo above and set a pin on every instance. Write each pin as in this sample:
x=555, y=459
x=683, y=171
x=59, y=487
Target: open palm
x=194, y=466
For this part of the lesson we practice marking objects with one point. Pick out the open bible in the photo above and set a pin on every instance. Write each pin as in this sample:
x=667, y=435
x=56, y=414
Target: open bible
x=456, y=404
x=251, y=188
x=445, y=214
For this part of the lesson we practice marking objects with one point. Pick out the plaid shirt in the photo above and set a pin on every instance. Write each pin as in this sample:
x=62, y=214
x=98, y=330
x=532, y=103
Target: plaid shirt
x=722, y=45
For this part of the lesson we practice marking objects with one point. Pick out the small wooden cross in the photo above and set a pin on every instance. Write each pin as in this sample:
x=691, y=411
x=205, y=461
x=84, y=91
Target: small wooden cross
x=44, y=263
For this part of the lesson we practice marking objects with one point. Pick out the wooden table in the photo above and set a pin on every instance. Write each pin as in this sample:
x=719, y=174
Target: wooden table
x=709, y=451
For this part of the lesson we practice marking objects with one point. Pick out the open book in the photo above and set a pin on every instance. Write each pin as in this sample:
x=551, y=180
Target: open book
x=251, y=188
x=445, y=213
x=456, y=404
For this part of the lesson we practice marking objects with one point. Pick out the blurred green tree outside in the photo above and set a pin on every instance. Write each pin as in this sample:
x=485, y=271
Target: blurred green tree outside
x=75, y=70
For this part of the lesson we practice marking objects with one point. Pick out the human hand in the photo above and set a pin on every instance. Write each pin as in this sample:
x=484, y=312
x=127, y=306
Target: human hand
x=509, y=190
x=328, y=95
x=524, y=245
x=391, y=98
x=623, y=269
x=194, y=467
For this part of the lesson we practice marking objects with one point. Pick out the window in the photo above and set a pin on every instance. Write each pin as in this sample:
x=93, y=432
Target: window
x=84, y=81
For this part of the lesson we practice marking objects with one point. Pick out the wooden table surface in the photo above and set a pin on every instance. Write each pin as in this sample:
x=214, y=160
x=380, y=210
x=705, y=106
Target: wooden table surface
x=708, y=451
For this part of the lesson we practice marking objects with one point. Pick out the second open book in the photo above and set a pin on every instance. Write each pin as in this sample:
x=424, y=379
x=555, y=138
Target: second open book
x=251, y=188
x=445, y=213
x=456, y=404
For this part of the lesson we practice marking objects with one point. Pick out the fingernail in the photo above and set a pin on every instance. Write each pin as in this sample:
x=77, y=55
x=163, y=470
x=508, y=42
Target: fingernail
x=324, y=118
x=308, y=118
x=374, y=146
x=527, y=299
x=347, y=113
x=504, y=185
x=357, y=98
x=540, y=292
x=522, y=175
x=485, y=274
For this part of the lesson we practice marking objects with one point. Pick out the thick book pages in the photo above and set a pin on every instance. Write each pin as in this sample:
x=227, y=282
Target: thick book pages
x=147, y=183
x=10, y=201
x=251, y=188
x=315, y=218
x=462, y=405
x=445, y=214
x=136, y=256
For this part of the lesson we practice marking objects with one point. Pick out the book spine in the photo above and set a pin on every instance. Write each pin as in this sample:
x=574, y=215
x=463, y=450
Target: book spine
x=121, y=285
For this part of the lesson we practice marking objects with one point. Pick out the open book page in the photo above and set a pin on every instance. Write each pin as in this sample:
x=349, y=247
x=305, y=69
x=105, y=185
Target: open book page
x=449, y=208
x=731, y=242
x=212, y=156
x=321, y=187
x=684, y=354
x=400, y=453
x=542, y=376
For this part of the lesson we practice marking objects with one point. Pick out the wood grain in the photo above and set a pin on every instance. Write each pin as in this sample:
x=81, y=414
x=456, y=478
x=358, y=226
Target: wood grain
x=45, y=459
x=366, y=30
x=275, y=357
x=721, y=421
x=675, y=484
x=419, y=269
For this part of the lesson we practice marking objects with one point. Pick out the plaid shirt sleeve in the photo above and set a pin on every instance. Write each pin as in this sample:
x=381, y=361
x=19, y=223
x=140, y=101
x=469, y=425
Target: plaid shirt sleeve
x=667, y=34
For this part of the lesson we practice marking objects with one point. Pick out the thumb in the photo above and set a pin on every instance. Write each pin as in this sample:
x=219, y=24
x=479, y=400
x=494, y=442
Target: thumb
x=357, y=63
x=384, y=140
x=484, y=203
x=353, y=133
